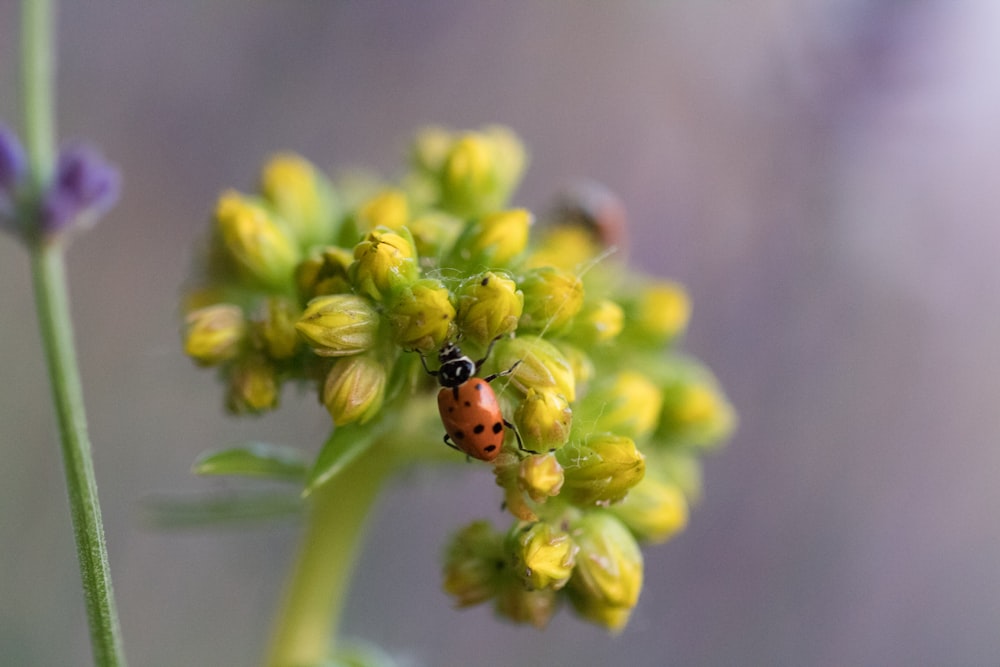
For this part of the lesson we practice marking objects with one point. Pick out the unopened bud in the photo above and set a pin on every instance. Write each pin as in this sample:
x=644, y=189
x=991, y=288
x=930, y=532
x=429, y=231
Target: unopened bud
x=475, y=564
x=627, y=403
x=301, y=195
x=214, y=334
x=552, y=298
x=608, y=576
x=540, y=476
x=383, y=261
x=601, y=470
x=495, y=239
x=324, y=272
x=256, y=242
x=489, y=306
x=389, y=209
x=280, y=338
x=542, y=366
x=541, y=556
x=354, y=389
x=544, y=419
x=655, y=509
x=339, y=325
x=420, y=315
x=598, y=322
x=253, y=386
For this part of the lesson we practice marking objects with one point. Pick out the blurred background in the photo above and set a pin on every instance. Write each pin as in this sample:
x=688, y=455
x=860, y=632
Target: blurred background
x=817, y=172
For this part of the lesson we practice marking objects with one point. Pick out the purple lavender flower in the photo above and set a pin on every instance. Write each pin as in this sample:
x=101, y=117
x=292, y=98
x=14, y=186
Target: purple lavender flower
x=85, y=185
x=12, y=162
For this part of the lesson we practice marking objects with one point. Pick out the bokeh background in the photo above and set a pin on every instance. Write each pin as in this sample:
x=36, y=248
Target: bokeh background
x=822, y=175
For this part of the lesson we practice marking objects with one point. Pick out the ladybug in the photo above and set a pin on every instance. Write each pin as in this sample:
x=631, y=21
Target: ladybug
x=469, y=409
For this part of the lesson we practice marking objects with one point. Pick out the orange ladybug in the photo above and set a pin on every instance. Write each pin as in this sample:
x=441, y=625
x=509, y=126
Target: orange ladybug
x=469, y=409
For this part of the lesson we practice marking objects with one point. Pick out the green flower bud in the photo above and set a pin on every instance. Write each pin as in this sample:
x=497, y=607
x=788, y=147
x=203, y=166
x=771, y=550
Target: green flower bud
x=382, y=262
x=662, y=311
x=543, y=367
x=655, y=510
x=628, y=403
x=475, y=564
x=495, y=239
x=523, y=606
x=430, y=148
x=480, y=171
x=507, y=470
x=300, y=194
x=420, y=315
x=598, y=322
x=214, y=334
x=695, y=411
x=354, y=389
x=540, y=476
x=579, y=361
x=541, y=555
x=277, y=331
x=544, y=419
x=434, y=234
x=324, y=272
x=601, y=470
x=339, y=325
x=489, y=306
x=552, y=298
x=389, y=209
x=253, y=386
x=607, y=579
x=255, y=241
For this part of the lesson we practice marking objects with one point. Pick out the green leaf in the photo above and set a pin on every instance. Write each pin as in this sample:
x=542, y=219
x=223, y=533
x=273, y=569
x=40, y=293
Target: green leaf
x=202, y=510
x=253, y=459
x=345, y=445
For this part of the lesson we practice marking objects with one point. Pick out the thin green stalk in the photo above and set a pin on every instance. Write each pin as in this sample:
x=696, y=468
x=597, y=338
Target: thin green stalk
x=57, y=336
x=55, y=324
x=306, y=627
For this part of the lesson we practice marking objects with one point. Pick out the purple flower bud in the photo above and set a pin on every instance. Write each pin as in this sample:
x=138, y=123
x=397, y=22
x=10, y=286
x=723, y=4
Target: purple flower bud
x=85, y=186
x=11, y=160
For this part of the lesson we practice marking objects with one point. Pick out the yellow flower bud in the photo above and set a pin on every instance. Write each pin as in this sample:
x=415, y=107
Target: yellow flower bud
x=628, y=403
x=552, y=298
x=608, y=576
x=543, y=366
x=654, y=510
x=540, y=476
x=253, y=386
x=258, y=244
x=566, y=247
x=474, y=564
x=354, y=389
x=479, y=171
x=489, y=306
x=324, y=272
x=495, y=239
x=214, y=334
x=544, y=419
x=695, y=411
x=301, y=196
x=339, y=325
x=280, y=338
x=430, y=148
x=507, y=470
x=600, y=470
x=388, y=209
x=420, y=315
x=579, y=362
x=523, y=606
x=662, y=310
x=598, y=322
x=383, y=261
x=541, y=556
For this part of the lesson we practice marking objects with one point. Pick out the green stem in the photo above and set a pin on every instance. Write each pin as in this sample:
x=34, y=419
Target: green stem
x=314, y=598
x=57, y=336
x=56, y=327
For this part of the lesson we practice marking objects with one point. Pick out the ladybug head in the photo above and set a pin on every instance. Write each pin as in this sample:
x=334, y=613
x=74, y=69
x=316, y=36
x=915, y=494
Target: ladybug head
x=456, y=367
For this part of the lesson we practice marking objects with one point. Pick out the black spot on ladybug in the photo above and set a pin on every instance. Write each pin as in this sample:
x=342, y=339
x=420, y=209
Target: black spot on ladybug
x=479, y=428
x=458, y=435
x=451, y=408
x=489, y=448
x=497, y=427
x=468, y=405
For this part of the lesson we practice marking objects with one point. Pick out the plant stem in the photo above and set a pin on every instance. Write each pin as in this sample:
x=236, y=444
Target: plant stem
x=307, y=625
x=56, y=327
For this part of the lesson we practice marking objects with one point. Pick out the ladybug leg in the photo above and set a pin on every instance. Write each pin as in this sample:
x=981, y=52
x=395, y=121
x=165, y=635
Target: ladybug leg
x=479, y=364
x=491, y=378
x=517, y=434
x=423, y=360
x=447, y=441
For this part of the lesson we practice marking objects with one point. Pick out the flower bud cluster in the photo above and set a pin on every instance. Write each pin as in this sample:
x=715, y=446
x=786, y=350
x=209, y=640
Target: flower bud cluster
x=308, y=281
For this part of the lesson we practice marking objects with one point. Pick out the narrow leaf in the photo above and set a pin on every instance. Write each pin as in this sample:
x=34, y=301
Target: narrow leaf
x=209, y=510
x=253, y=459
x=345, y=445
